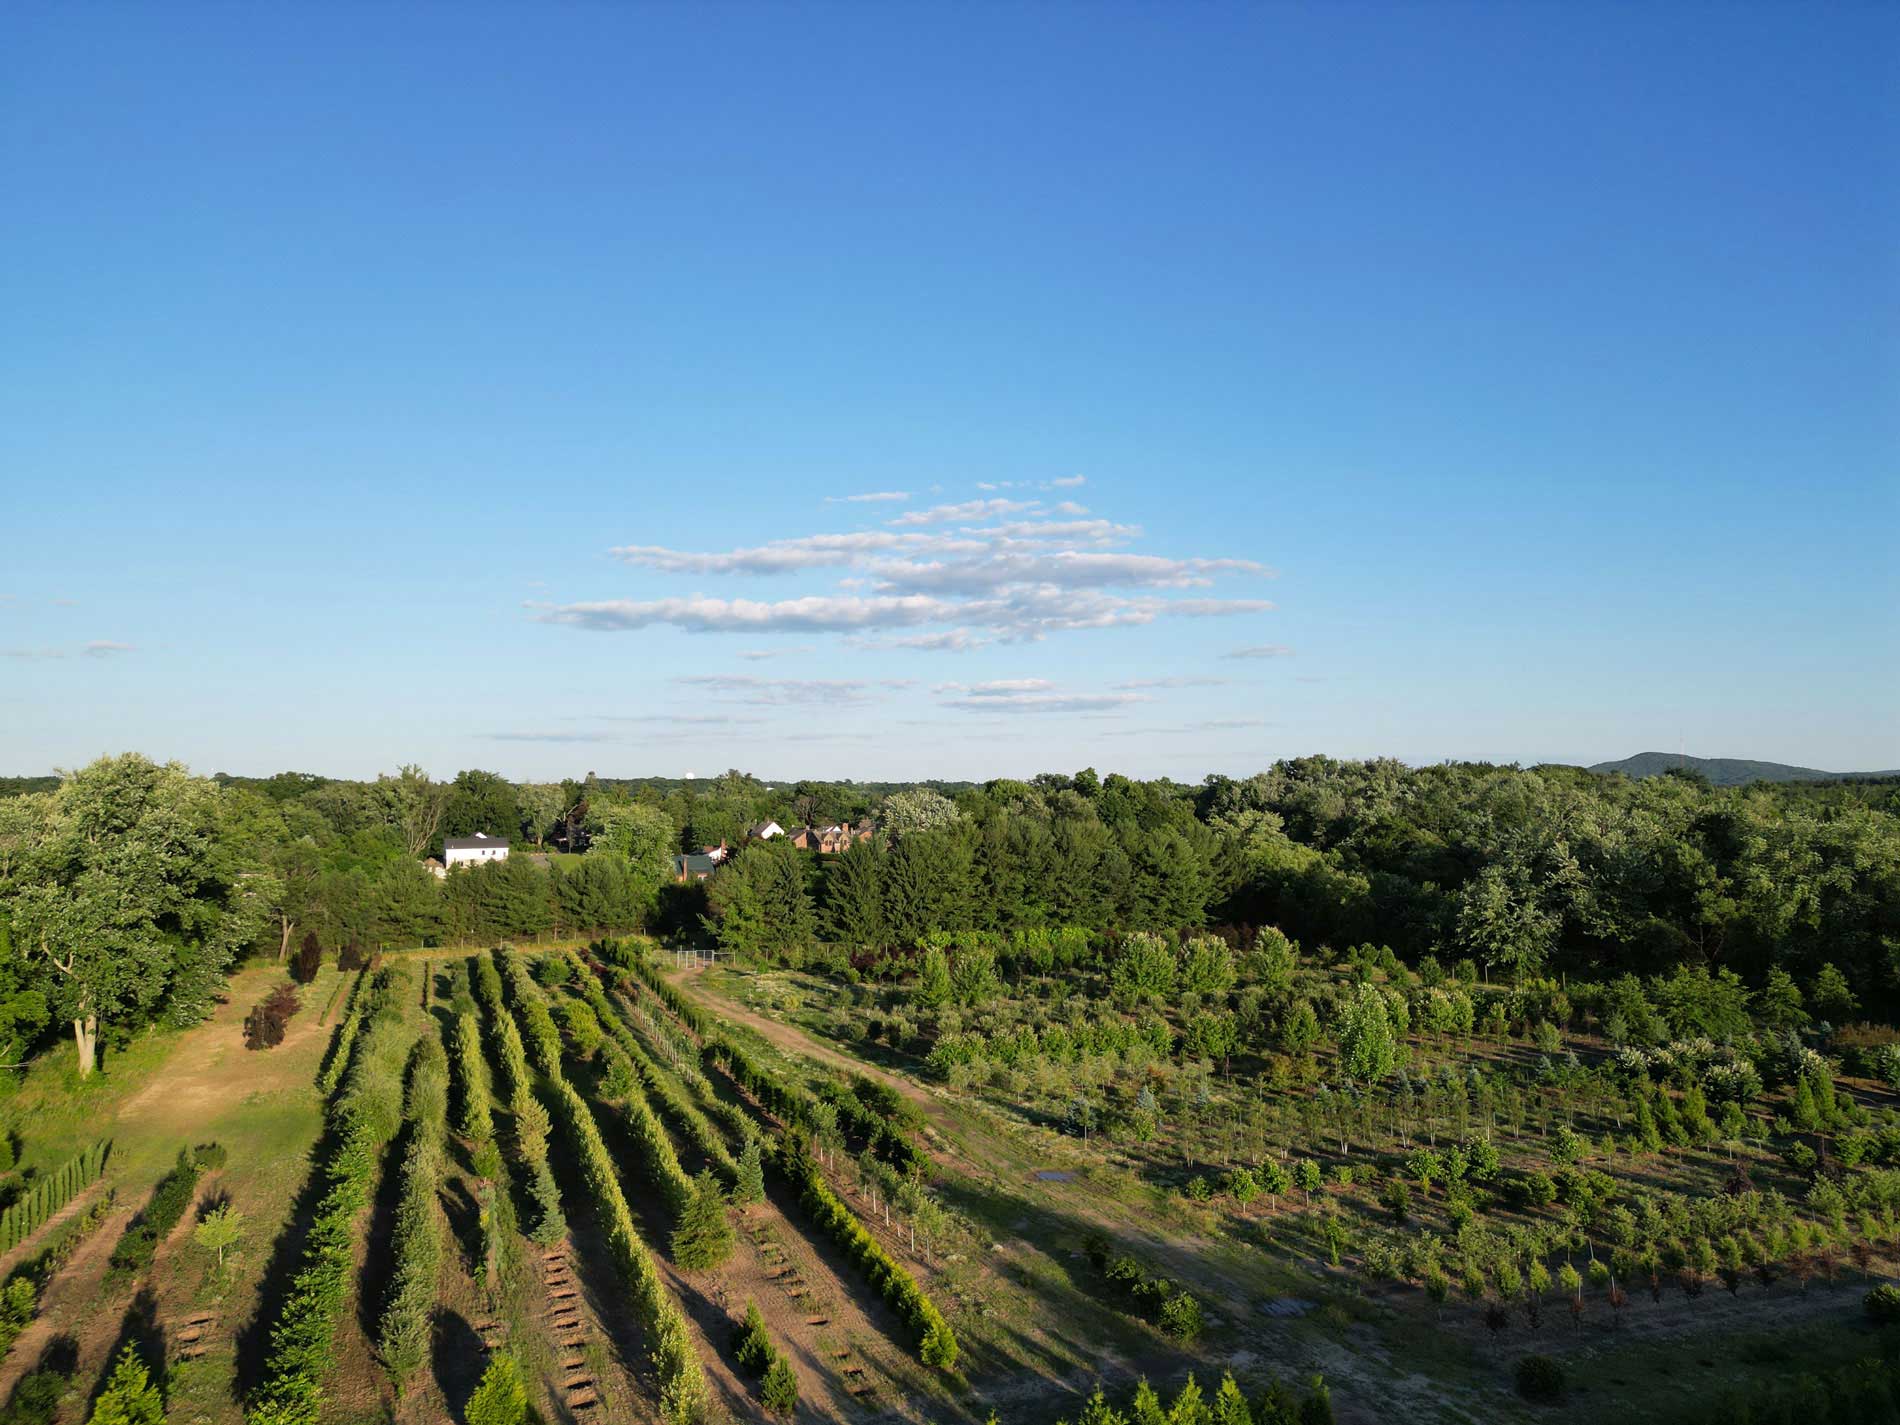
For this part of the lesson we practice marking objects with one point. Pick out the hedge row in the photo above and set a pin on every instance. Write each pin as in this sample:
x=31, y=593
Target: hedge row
x=682, y=1383
x=531, y=1119
x=169, y=1200
x=683, y=1396
x=886, y=1138
x=663, y=1086
x=301, y=1342
x=536, y=1024
x=345, y=1040
x=473, y=1120
x=936, y=1342
x=738, y=1126
x=402, y=1336
x=50, y=1193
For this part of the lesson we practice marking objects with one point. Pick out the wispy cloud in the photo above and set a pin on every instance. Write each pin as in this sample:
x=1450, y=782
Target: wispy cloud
x=546, y=736
x=962, y=513
x=1176, y=681
x=759, y=655
x=1030, y=695
x=951, y=640
x=875, y=497
x=1068, y=482
x=764, y=691
x=106, y=648
x=25, y=653
x=1024, y=613
x=1261, y=650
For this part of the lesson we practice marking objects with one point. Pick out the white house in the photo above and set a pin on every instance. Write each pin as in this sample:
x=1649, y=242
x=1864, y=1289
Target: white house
x=475, y=850
x=765, y=831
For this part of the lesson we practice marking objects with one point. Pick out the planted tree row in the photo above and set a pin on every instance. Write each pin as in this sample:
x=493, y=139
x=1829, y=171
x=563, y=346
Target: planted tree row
x=50, y=1193
x=682, y=1383
x=402, y=1336
x=364, y=1116
x=664, y=1087
x=936, y=1341
x=346, y=1033
x=887, y=1138
x=139, y=1244
x=532, y=1124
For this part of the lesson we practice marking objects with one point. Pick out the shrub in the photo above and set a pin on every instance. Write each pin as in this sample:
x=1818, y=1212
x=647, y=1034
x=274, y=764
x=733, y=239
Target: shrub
x=778, y=1392
x=1181, y=1316
x=500, y=1399
x=1882, y=1305
x=751, y=1344
x=168, y=1203
x=264, y=1025
x=1539, y=1378
x=129, y=1398
x=49, y=1193
x=18, y=1301
x=308, y=959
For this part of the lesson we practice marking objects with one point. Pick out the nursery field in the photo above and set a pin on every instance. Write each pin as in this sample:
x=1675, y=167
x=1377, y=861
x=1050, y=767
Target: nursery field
x=1154, y=1181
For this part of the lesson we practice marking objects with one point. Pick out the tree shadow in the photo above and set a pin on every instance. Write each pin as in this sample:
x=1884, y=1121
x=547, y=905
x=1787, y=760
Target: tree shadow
x=253, y=1340
x=458, y=1358
x=142, y=1330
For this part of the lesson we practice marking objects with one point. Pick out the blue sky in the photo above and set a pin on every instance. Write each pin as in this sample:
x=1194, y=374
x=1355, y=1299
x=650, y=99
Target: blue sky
x=431, y=383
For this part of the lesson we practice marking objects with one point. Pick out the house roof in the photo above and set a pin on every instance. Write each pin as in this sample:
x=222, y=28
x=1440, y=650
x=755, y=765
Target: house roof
x=474, y=843
x=694, y=865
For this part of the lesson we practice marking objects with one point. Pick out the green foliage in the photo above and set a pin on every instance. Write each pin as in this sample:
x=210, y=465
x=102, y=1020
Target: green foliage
x=473, y=1119
x=937, y=1343
x=169, y=1200
x=129, y=1398
x=500, y=1398
x=19, y=1299
x=704, y=1237
x=218, y=1231
x=778, y=1392
x=1368, y=1049
x=1882, y=1305
x=49, y=1193
x=751, y=1343
x=402, y=1336
x=749, y=1180
x=364, y=1114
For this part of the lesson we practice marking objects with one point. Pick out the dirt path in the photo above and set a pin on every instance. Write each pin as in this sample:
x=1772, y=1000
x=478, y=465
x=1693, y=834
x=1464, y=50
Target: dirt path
x=76, y=1292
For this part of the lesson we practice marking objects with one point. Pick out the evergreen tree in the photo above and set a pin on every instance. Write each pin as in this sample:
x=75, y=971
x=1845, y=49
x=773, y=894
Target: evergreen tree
x=129, y=1398
x=933, y=979
x=1230, y=1406
x=500, y=1399
x=704, y=1237
x=1190, y=1407
x=778, y=1392
x=749, y=1186
x=1146, y=1408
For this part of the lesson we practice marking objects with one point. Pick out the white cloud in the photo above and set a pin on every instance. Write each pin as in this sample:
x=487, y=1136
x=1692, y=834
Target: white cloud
x=757, y=655
x=875, y=497
x=953, y=640
x=25, y=653
x=1068, y=482
x=106, y=648
x=749, y=689
x=1031, y=695
x=963, y=513
x=1261, y=650
x=1177, y=681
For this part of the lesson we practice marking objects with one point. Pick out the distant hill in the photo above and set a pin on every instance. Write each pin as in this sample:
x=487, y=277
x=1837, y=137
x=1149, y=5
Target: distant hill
x=1724, y=771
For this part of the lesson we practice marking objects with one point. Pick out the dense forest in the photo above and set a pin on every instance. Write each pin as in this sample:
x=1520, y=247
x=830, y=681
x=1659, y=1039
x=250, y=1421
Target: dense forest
x=129, y=888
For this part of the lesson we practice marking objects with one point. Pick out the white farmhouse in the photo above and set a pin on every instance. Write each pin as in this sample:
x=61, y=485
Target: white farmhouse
x=473, y=850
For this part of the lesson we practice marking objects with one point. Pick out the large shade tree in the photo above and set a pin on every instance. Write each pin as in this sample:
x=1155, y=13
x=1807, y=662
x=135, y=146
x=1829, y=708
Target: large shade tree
x=124, y=900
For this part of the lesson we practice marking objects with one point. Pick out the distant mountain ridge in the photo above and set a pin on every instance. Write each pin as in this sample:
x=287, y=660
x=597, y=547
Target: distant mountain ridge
x=1724, y=771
